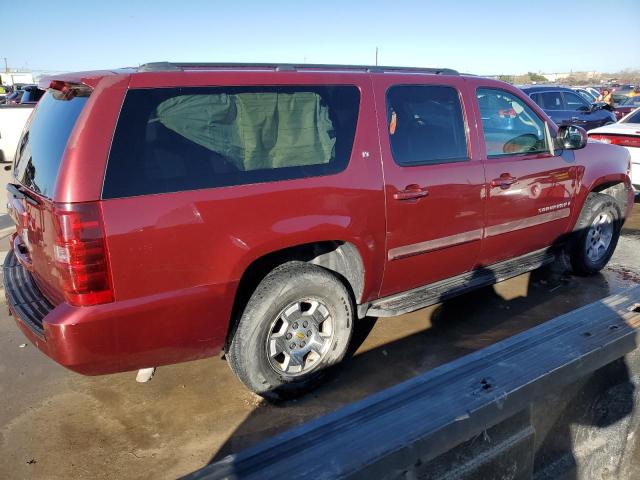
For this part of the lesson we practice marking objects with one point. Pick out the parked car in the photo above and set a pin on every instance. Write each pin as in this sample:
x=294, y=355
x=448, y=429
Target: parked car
x=30, y=94
x=624, y=89
x=593, y=91
x=566, y=107
x=625, y=133
x=27, y=94
x=14, y=97
x=586, y=94
x=168, y=212
x=626, y=106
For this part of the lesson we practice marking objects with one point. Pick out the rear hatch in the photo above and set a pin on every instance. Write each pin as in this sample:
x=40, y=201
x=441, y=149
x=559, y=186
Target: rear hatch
x=61, y=245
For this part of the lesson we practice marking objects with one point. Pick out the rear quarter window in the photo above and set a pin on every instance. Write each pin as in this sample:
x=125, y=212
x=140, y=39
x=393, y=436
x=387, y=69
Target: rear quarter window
x=177, y=139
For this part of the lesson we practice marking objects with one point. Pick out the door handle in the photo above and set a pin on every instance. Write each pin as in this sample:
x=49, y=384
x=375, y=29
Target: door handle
x=411, y=192
x=504, y=182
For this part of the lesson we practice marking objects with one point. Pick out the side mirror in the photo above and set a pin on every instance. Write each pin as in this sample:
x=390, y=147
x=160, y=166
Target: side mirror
x=597, y=106
x=570, y=137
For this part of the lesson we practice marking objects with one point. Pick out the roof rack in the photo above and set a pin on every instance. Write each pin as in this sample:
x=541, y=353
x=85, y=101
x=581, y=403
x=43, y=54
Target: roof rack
x=288, y=67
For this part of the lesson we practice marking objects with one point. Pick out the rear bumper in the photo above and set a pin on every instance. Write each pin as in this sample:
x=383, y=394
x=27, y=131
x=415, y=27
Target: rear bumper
x=126, y=335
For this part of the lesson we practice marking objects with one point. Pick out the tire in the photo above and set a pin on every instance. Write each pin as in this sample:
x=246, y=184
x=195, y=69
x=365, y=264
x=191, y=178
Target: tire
x=596, y=234
x=296, y=305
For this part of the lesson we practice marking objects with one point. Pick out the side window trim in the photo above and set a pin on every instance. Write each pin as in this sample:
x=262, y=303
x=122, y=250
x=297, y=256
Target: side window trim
x=546, y=132
x=465, y=124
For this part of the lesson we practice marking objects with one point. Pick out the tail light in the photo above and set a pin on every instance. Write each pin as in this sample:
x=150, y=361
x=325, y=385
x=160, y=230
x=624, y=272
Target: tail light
x=81, y=254
x=622, y=140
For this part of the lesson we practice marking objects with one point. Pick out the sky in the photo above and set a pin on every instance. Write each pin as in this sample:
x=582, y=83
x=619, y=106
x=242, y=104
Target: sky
x=481, y=37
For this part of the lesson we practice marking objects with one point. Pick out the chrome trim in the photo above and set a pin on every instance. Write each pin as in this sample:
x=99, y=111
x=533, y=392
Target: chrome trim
x=472, y=235
x=436, y=244
x=526, y=222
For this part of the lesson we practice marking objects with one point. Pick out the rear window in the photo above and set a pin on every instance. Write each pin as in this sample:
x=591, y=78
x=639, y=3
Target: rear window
x=41, y=147
x=176, y=139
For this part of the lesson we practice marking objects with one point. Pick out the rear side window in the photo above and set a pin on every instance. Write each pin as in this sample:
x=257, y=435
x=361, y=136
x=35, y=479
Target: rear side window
x=176, y=139
x=426, y=125
x=549, y=100
x=41, y=147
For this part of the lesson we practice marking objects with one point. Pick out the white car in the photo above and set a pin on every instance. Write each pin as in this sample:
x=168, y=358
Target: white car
x=625, y=133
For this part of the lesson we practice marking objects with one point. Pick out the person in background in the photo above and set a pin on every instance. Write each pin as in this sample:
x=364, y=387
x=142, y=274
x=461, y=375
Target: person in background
x=635, y=92
x=606, y=97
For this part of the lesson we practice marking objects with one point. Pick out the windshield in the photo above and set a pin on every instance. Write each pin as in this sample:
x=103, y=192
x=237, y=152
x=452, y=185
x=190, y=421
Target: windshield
x=632, y=118
x=43, y=142
x=631, y=102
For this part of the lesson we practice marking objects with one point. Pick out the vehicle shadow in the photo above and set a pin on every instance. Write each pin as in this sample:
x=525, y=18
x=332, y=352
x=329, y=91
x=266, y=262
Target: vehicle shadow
x=434, y=336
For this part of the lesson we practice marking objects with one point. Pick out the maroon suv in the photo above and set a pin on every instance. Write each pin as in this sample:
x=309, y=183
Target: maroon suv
x=172, y=211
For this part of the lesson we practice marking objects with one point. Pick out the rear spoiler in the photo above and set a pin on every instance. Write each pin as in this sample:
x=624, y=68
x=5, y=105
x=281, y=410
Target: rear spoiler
x=89, y=79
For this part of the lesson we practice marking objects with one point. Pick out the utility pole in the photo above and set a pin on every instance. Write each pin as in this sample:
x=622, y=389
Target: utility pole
x=376, y=56
x=6, y=68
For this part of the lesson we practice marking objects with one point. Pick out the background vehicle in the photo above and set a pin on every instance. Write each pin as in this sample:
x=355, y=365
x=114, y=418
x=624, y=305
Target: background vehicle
x=625, y=133
x=30, y=95
x=566, y=107
x=595, y=92
x=585, y=93
x=14, y=97
x=265, y=214
x=626, y=106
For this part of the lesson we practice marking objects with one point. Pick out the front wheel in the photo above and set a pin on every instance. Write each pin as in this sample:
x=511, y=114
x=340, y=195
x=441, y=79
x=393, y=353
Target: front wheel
x=297, y=323
x=596, y=234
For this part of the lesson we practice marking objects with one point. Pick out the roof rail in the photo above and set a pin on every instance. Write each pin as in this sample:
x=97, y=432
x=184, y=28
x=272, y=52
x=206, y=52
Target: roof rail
x=288, y=67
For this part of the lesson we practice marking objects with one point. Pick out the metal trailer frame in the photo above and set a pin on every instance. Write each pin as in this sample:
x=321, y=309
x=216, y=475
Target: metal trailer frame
x=393, y=433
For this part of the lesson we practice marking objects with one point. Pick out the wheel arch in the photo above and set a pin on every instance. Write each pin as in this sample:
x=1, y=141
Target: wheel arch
x=340, y=257
x=616, y=189
x=617, y=186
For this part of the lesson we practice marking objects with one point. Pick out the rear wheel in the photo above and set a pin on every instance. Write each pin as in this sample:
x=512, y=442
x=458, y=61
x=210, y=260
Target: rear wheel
x=297, y=323
x=596, y=234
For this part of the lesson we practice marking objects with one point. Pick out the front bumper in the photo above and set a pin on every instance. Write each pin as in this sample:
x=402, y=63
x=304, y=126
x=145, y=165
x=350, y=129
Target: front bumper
x=161, y=329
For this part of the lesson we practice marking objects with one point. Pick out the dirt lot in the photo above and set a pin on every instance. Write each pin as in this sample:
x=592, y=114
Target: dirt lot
x=56, y=424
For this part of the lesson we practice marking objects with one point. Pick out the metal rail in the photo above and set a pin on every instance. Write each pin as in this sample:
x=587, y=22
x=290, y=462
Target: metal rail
x=289, y=67
x=432, y=413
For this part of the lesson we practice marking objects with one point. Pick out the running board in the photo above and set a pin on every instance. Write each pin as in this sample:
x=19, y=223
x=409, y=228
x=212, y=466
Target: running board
x=437, y=292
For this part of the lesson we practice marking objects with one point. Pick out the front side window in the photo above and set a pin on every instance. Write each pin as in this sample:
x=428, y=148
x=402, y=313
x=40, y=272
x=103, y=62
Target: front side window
x=575, y=102
x=176, y=139
x=425, y=125
x=510, y=127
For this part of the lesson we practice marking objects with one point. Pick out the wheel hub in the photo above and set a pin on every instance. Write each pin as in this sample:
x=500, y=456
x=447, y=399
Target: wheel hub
x=599, y=237
x=300, y=337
